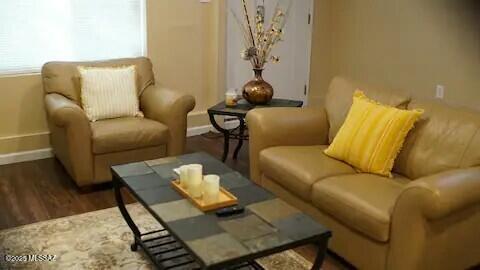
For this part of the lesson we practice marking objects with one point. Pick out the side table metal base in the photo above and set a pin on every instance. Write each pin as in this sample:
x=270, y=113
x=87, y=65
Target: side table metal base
x=229, y=134
x=240, y=112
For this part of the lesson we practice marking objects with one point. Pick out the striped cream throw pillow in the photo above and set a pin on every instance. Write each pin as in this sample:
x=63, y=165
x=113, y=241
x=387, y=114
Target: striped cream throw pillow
x=109, y=92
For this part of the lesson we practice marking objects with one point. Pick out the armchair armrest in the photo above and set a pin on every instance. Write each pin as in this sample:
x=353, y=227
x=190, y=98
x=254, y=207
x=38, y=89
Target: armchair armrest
x=63, y=111
x=70, y=136
x=169, y=107
x=441, y=206
x=269, y=127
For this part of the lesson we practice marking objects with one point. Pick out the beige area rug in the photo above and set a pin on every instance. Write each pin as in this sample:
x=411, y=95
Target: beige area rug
x=98, y=240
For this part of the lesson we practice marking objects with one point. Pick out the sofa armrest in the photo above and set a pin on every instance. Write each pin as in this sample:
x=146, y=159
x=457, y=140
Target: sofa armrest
x=269, y=127
x=169, y=107
x=440, y=206
x=70, y=136
x=445, y=193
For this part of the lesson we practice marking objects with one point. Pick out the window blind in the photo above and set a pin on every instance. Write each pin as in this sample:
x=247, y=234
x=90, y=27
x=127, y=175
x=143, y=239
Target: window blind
x=33, y=32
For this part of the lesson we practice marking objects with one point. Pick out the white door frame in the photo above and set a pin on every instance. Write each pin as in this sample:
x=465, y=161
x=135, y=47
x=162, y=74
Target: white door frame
x=309, y=48
x=309, y=45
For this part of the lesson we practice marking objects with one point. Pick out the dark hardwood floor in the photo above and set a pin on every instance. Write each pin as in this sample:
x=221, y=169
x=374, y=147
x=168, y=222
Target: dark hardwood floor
x=42, y=190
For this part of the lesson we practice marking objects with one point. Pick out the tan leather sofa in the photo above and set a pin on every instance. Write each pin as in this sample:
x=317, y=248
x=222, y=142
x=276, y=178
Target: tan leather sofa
x=426, y=217
x=87, y=150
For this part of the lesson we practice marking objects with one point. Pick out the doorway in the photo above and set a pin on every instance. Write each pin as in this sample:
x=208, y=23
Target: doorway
x=290, y=77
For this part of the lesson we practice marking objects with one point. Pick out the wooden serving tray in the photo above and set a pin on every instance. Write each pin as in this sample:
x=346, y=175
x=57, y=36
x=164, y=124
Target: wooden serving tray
x=225, y=198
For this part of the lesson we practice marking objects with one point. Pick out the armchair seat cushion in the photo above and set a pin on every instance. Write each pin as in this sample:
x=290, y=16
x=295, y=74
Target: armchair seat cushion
x=298, y=168
x=122, y=134
x=363, y=202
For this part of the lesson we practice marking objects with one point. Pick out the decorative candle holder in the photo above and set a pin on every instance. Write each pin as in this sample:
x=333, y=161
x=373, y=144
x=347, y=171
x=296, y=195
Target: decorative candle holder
x=211, y=188
x=195, y=176
x=231, y=98
x=184, y=179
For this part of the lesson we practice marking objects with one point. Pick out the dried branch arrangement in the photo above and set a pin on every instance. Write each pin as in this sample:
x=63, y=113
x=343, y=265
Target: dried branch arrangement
x=259, y=40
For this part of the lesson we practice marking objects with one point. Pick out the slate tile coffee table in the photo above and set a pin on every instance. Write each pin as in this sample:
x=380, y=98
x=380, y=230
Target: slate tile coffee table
x=192, y=239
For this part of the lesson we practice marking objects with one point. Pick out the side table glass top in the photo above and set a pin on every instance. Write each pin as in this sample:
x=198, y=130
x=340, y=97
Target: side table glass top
x=268, y=225
x=242, y=109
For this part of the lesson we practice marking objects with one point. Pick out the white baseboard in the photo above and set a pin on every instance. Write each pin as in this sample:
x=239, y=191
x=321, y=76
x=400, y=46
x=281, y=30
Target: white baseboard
x=195, y=131
x=232, y=124
x=47, y=152
x=26, y=156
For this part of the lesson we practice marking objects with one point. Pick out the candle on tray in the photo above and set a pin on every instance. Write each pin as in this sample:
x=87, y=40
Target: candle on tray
x=195, y=175
x=184, y=176
x=211, y=188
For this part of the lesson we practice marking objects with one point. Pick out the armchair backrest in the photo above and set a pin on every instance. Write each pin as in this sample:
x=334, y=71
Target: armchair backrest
x=63, y=77
x=339, y=99
x=446, y=138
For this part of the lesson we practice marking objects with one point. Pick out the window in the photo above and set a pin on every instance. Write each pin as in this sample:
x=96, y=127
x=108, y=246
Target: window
x=33, y=32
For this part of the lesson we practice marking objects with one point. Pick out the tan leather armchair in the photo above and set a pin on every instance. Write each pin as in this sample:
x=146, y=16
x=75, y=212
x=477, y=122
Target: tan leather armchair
x=87, y=150
x=426, y=217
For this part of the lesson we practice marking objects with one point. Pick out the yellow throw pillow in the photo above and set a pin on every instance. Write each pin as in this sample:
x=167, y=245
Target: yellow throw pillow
x=372, y=135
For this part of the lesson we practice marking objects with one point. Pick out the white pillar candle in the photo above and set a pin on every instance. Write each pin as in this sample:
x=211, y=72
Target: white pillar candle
x=211, y=188
x=184, y=176
x=195, y=175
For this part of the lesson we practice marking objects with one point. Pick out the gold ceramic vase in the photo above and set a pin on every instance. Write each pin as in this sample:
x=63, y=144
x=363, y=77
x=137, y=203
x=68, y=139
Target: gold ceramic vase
x=258, y=91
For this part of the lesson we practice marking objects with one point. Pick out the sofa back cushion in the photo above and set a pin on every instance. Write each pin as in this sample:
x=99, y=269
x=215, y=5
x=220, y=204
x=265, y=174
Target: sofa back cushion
x=445, y=138
x=339, y=100
x=63, y=77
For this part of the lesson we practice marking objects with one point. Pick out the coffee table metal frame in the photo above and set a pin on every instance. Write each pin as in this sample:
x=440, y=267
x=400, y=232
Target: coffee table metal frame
x=168, y=242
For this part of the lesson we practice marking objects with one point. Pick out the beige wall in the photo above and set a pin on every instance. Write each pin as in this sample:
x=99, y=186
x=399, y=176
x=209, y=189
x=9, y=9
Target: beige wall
x=185, y=45
x=321, y=61
x=22, y=117
x=406, y=44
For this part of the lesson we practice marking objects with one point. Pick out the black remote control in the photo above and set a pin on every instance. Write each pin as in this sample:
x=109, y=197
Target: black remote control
x=229, y=211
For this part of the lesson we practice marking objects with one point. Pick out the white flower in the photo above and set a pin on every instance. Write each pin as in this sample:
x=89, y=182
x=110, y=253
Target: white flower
x=244, y=55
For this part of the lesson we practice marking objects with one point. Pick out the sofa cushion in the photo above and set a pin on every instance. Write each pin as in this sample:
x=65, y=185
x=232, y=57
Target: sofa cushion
x=445, y=138
x=297, y=168
x=339, y=100
x=363, y=202
x=121, y=134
